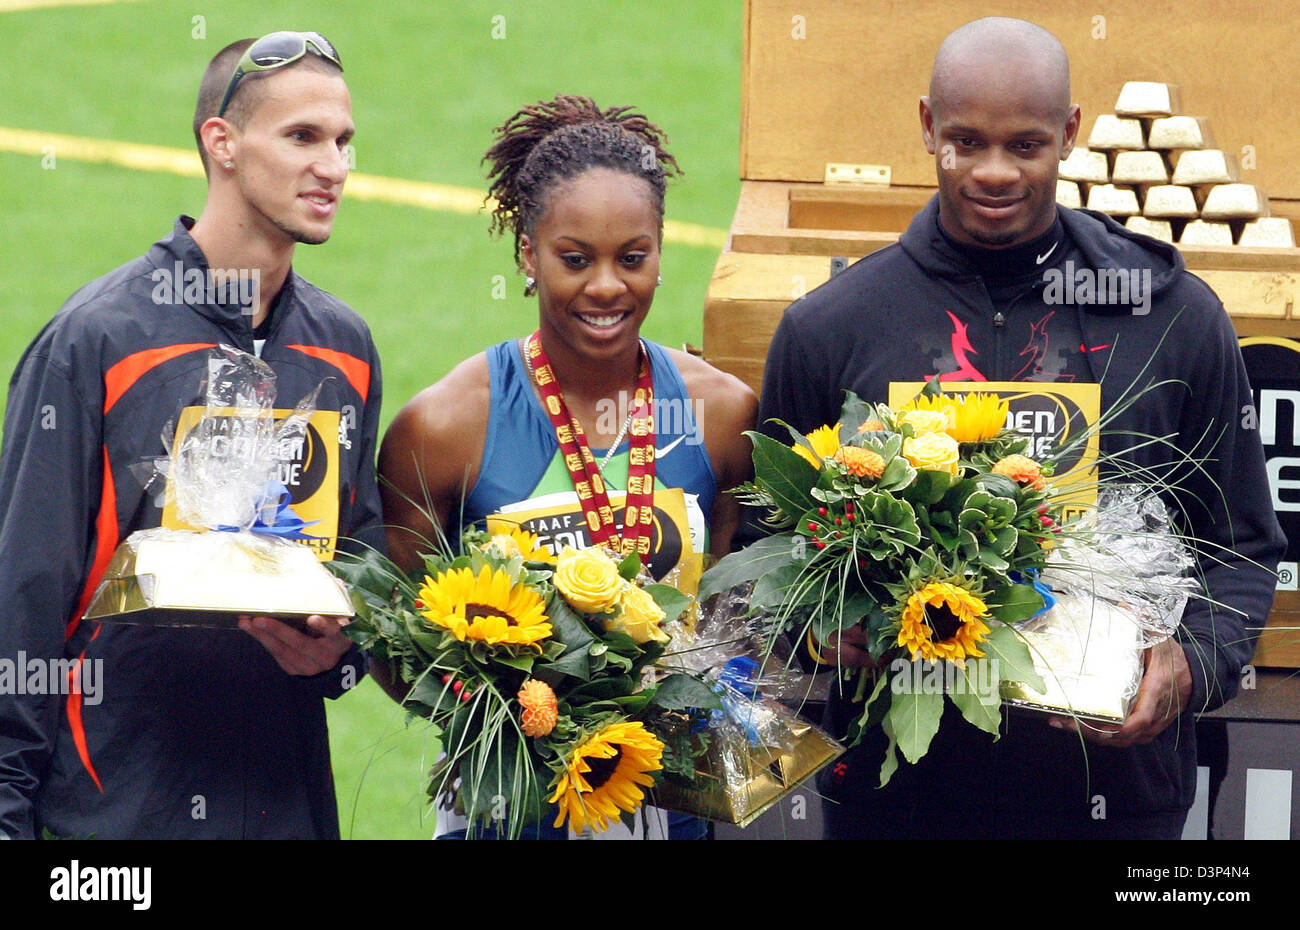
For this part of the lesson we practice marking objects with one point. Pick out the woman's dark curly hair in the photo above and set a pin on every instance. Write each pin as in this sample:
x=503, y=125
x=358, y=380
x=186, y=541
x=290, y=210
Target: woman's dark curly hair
x=553, y=141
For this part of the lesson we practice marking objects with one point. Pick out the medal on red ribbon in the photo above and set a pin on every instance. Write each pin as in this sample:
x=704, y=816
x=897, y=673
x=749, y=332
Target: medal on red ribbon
x=638, y=514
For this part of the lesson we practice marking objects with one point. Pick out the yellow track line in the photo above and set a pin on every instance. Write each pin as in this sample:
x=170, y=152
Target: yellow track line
x=14, y=6
x=423, y=194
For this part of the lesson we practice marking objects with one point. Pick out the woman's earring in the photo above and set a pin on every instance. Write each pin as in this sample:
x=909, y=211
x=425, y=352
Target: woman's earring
x=530, y=286
x=229, y=164
x=659, y=281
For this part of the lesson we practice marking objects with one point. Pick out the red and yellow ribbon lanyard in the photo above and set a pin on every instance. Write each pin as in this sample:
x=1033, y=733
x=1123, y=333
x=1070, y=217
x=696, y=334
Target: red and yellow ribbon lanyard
x=638, y=517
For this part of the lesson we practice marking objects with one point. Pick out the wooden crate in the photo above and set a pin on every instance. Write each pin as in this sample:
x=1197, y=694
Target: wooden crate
x=833, y=83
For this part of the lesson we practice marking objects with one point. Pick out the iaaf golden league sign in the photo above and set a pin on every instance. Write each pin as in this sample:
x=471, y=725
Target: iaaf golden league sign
x=1052, y=415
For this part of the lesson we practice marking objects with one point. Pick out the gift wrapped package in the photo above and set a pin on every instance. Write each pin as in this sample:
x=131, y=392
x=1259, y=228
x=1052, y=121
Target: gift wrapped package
x=1120, y=587
x=737, y=780
x=243, y=552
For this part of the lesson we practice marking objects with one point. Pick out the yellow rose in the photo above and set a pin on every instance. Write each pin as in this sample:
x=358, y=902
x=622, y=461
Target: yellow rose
x=589, y=580
x=639, y=618
x=932, y=452
x=923, y=422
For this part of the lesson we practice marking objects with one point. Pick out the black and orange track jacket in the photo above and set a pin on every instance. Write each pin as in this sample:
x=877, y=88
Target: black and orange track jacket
x=188, y=733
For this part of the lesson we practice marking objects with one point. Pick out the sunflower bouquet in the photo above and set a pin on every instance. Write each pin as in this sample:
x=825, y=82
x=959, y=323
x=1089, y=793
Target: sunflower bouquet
x=538, y=676
x=925, y=526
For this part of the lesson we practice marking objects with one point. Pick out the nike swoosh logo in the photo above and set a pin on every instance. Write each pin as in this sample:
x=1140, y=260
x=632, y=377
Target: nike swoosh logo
x=660, y=453
x=1042, y=258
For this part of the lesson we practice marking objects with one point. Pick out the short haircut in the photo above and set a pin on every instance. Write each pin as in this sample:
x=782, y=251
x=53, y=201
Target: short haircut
x=248, y=92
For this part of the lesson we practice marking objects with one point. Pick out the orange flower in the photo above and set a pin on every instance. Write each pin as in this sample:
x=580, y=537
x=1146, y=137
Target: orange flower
x=861, y=463
x=539, y=708
x=1022, y=469
x=871, y=426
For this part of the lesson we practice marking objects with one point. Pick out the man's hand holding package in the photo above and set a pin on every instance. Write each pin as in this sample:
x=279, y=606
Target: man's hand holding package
x=310, y=653
x=1162, y=696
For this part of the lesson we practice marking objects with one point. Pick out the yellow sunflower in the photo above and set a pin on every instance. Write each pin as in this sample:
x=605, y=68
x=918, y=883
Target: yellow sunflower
x=490, y=607
x=978, y=417
x=972, y=417
x=605, y=775
x=825, y=441
x=943, y=621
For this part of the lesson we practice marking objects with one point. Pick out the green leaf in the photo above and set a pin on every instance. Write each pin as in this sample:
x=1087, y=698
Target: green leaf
x=772, y=590
x=1004, y=540
x=620, y=644
x=930, y=486
x=427, y=690
x=671, y=601
x=981, y=706
x=576, y=664
x=898, y=474
x=998, y=485
x=915, y=719
x=369, y=574
x=630, y=567
x=567, y=626
x=890, y=764
x=678, y=692
x=1014, y=662
x=632, y=703
x=991, y=559
x=751, y=563
x=784, y=474
x=600, y=690
x=621, y=662
x=522, y=662
x=853, y=414
x=1012, y=603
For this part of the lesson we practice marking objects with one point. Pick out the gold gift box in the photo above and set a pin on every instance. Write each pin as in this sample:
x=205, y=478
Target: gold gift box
x=739, y=784
x=165, y=577
x=1089, y=655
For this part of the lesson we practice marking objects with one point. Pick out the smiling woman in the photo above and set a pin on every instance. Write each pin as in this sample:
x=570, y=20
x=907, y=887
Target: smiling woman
x=582, y=433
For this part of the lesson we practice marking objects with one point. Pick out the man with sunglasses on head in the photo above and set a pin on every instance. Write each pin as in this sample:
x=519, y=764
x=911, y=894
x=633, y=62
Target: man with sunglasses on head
x=188, y=733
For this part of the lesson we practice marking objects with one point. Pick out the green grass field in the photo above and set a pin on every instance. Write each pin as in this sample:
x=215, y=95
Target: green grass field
x=428, y=84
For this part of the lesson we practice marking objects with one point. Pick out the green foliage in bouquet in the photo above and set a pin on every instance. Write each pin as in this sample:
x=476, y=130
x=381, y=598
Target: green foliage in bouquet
x=923, y=527
x=536, y=675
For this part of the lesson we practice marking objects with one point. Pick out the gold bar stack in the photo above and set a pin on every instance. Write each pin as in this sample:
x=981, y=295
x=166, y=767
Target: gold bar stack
x=1158, y=172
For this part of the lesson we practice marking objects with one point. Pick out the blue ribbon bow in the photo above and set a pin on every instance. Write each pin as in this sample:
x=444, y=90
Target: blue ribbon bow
x=737, y=686
x=284, y=523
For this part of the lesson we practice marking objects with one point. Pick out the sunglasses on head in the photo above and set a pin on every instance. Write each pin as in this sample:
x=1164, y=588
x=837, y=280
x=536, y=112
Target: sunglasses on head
x=275, y=51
